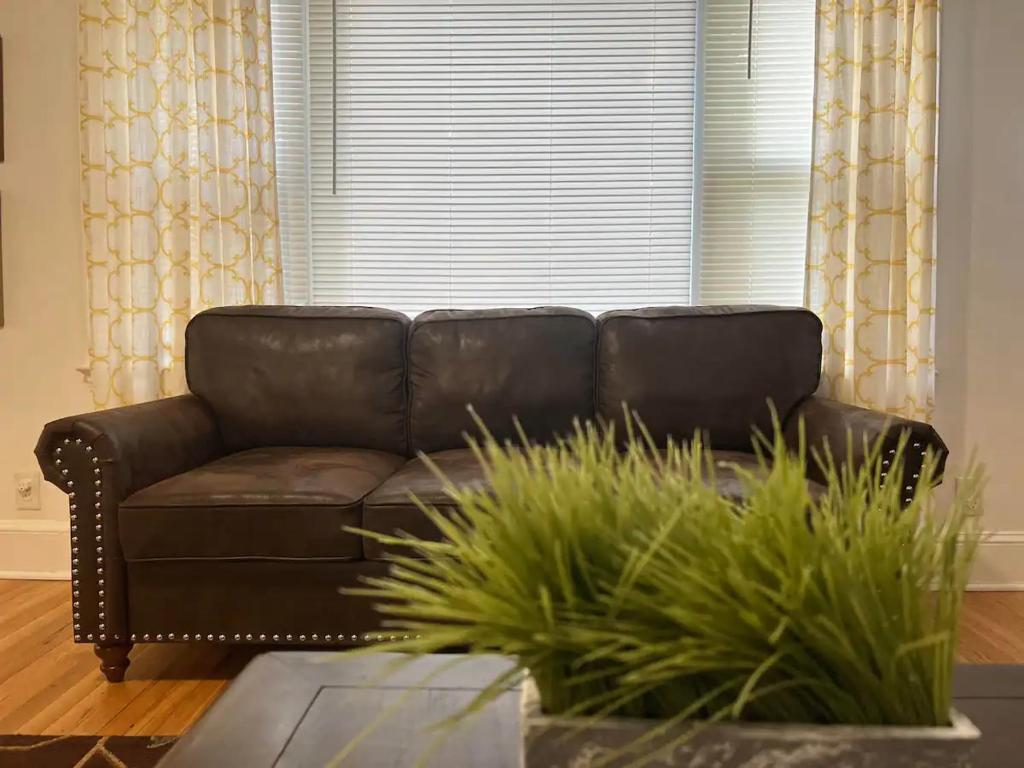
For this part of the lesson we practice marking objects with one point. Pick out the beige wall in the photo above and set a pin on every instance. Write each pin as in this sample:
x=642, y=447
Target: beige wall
x=43, y=340
x=980, y=324
x=980, y=321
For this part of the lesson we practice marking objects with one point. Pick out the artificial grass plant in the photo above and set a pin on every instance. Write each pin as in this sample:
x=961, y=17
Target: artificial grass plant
x=626, y=585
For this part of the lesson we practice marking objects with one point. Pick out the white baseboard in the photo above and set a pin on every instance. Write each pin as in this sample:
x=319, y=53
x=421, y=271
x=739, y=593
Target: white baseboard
x=1000, y=563
x=34, y=549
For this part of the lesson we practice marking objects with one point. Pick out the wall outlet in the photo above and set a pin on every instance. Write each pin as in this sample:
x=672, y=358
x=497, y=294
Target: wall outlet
x=26, y=490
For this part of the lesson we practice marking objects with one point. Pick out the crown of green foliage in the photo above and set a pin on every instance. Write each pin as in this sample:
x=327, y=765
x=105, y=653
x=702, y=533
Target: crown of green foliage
x=626, y=585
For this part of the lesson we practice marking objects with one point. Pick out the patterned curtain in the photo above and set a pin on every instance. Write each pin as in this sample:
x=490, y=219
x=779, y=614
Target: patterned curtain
x=871, y=252
x=179, y=196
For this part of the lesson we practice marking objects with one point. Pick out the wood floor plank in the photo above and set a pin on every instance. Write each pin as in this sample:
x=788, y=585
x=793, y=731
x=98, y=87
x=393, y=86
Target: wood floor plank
x=51, y=686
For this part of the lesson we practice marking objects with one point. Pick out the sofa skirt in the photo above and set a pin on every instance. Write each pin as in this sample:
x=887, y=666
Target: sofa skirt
x=299, y=602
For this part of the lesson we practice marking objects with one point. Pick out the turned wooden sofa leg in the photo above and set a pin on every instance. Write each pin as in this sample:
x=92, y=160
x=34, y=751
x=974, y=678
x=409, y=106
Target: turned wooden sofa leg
x=113, y=660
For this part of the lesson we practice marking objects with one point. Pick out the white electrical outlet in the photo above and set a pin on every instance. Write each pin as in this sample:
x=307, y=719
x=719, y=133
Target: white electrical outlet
x=26, y=490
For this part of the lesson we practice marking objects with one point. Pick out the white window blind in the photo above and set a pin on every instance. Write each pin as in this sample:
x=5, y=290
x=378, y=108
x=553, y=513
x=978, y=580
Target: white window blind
x=485, y=153
x=755, y=151
x=291, y=144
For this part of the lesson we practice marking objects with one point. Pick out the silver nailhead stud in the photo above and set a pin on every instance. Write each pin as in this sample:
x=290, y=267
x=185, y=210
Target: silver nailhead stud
x=71, y=483
x=88, y=637
x=326, y=637
x=287, y=637
x=145, y=637
x=302, y=638
x=103, y=637
x=276, y=638
x=263, y=637
x=64, y=472
x=248, y=637
x=88, y=449
x=221, y=638
x=67, y=441
x=133, y=637
x=314, y=637
x=170, y=636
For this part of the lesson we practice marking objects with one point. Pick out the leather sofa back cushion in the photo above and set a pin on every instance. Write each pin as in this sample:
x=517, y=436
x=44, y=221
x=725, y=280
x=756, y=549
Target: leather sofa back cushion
x=301, y=376
x=713, y=368
x=533, y=364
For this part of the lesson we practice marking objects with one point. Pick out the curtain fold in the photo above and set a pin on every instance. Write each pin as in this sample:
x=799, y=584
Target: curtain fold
x=871, y=251
x=178, y=181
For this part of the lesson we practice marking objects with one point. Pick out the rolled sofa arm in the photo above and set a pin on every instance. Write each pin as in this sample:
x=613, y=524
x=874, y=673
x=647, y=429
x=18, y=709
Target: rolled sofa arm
x=829, y=422
x=100, y=458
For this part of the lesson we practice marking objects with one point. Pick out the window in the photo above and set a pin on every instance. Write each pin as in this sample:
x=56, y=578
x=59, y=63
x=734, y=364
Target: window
x=755, y=151
x=514, y=153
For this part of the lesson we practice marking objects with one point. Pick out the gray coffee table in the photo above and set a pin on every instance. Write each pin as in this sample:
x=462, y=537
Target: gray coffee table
x=301, y=709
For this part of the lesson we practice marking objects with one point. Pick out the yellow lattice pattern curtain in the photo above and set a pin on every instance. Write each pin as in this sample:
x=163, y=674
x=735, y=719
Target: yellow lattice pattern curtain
x=871, y=253
x=179, y=195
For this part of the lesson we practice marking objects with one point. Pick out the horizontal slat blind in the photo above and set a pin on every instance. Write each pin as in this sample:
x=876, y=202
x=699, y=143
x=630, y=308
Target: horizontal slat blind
x=497, y=153
x=755, y=151
x=291, y=142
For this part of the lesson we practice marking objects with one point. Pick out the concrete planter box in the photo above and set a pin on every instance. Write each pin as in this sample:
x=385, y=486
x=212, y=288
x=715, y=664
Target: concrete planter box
x=553, y=742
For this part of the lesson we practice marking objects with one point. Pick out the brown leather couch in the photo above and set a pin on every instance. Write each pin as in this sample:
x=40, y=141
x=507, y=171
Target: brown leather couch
x=220, y=515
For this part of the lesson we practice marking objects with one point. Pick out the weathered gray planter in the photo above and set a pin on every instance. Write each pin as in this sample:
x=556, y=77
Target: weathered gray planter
x=553, y=742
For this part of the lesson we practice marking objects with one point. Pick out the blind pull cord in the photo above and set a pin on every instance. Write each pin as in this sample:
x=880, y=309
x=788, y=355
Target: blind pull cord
x=750, y=39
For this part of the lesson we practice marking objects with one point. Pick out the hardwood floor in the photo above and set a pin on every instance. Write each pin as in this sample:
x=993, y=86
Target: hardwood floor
x=50, y=686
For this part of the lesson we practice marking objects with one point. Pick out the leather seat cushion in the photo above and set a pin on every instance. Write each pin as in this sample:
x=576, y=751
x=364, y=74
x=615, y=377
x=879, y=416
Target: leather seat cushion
x=729, y=483
x=260, y=503
x=390, y=510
